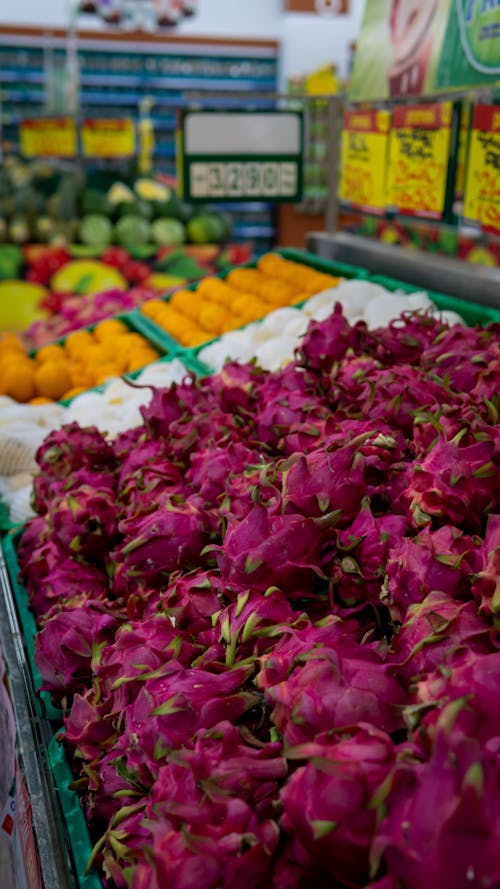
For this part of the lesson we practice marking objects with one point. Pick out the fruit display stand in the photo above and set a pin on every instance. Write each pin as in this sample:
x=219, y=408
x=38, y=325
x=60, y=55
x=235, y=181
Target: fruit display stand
x=71, y=833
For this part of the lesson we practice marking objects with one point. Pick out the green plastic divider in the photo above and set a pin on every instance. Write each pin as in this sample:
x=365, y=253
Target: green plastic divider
x=28, y=625
x=156, y=336
x=5, y=522
x=474, y=314
x=74, y=817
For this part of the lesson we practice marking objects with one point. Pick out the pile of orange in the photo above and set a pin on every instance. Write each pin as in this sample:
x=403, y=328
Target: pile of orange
x=194, y=317
x=85, y=359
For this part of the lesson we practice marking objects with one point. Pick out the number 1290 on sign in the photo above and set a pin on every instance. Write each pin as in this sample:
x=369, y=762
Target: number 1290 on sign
x=251, y=179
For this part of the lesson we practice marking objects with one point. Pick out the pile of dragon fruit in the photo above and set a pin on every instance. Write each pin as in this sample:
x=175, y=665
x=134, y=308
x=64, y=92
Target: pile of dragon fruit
x=270, y=617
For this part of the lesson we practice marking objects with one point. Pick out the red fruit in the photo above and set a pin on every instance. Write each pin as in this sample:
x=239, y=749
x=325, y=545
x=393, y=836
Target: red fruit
x=115, y=256
x=136, y=272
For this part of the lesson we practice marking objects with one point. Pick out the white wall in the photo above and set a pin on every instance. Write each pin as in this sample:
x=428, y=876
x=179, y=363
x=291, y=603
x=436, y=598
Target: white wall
x=308, y=41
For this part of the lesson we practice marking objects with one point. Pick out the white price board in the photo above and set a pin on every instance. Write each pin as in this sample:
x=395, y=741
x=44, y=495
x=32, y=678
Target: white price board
x=241, y=155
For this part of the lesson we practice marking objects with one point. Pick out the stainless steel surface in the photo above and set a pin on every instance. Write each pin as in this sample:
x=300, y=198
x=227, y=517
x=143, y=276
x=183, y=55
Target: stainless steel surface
x=33, y=735
x=473, y=283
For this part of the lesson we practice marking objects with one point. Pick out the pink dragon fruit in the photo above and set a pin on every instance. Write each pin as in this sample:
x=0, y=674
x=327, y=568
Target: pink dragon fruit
x=397, y=394
x=328, y=341
x=459, y=354
x=46, y=489
x=471, y=688
x=359, y=568
x=265, y=550
x=434, y=632
x=328, y=804
x=252, y=617
x=332, y=689
x=404, y=339
x=172, y=537
x=486, y=585
x=425, y=838
x=210, y=467
x=169, y=710
x=72, y=447
x=299, y=639
x=454, y=483
x=325, y=480
x=191, y=599
x=442, y=560
x=165, y=406
x=52, y=576
x=64, y=647
x=88, y=727
x=85, y=521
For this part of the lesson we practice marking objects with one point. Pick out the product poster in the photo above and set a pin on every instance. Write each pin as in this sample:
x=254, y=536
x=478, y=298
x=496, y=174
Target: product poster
x=364, y=152
x=422, y=47
x=419, y=158
x=399, y=48
x=482, y=189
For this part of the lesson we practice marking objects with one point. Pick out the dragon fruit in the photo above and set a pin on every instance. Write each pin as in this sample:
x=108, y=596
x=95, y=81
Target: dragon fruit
x=454, y=483
x=405, y=338
x=250, y=618
x=471, y=688
x=52, y=576
x=45, y=489
x=64, y=647
x=299, y=639
x=325, y=480
x=359, y=568
x=264, y=550
x=459, y=354
x=434, y=632
x=88, y=727
x=328, y=803
x=172, y=537
x=85, y=521
x=486, y=585
x=332, y=689
x=139, y=649
x=425, y=838
x=72, y=447
x=442, y=560
x=191, y=599
x=328, y=341
x=210, y=467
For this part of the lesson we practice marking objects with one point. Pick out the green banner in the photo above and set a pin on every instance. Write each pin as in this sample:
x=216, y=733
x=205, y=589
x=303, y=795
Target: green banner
x=423, y=47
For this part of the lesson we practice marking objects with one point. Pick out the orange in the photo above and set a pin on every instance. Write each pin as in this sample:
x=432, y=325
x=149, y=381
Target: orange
x=71, y=393
x=52, y=352
x=109, y=329
x=94, y=354
x=213, y=318
x=18, y=382
x=151, y=308
x=105, y=372
x=10, y=340
x=140, y=359
x=75, y=342
x=53, y=379
x=41, y=399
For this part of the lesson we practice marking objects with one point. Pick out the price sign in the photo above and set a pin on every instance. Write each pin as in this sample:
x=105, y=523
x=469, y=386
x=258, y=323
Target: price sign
x=482, y=188
x=419, y=158
x=108, y=137
x=241, y=156
x=364, y=152
x=48, y=137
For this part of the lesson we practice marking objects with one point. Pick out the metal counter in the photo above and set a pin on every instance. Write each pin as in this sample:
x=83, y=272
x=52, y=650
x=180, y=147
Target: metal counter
x=33, y=734
x=473, y=283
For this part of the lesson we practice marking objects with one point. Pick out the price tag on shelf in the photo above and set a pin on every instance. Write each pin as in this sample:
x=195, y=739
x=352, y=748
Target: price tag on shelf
x=419, y=158
x=48, y=137
x=364, y=153
x=240, y=156
x=108, y=137
x=482, y=186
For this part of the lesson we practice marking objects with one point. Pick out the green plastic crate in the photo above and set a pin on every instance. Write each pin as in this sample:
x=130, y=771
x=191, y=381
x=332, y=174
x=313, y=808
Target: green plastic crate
x=28, y=625
x=329, y=267
x=74, y=817
x=474, y=314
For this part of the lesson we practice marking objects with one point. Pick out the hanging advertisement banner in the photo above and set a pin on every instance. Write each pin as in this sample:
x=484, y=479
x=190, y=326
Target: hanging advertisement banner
x=48, y=137
x=108, y=137
x=419, y=158
x=363, y=165
x=482, y=186
x=422, y=47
